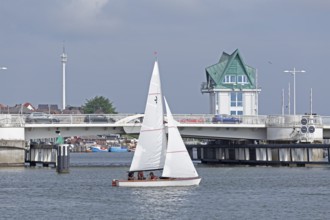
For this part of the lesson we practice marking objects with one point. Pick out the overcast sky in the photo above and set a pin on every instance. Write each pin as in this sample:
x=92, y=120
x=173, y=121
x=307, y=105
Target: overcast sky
x=110, y=46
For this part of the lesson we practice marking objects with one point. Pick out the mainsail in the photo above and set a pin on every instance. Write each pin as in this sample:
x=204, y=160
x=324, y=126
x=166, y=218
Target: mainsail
x=150, y=151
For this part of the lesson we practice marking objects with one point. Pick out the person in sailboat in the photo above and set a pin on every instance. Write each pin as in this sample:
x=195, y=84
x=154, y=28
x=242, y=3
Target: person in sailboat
x=141, y=175
x=131, y=176
x=152, y=176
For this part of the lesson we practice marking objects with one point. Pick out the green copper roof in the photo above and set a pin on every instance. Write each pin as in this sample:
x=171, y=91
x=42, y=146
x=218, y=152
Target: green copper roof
x=230, y=65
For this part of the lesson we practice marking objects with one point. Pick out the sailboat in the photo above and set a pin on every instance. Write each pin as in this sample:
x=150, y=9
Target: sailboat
x=156, y=152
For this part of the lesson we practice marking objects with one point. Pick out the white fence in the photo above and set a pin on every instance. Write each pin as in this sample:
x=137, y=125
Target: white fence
x=8, y=120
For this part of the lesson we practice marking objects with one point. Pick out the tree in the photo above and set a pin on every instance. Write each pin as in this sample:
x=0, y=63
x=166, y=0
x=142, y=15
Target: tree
x=99, y=104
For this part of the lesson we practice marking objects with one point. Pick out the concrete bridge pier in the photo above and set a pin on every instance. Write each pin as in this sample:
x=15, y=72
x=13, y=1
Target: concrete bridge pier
x=12, y=152
x=12, y=146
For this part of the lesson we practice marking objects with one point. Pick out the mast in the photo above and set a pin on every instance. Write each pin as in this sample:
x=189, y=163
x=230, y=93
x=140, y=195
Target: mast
x=311, y=101
x=289, y=99
x=257, y=95
x=282, y=101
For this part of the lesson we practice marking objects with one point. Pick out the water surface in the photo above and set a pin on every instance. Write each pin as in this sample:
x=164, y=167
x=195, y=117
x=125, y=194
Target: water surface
x=224, y=193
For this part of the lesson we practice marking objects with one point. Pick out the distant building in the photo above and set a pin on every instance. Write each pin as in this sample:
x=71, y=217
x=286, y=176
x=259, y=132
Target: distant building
x=4, y=109
x=72, y=110
x=52, y=109
x=29, y=106
x=232, y=86
x=25, y=108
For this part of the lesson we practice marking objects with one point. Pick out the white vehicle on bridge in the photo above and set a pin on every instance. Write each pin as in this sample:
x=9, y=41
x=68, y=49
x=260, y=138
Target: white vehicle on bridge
x=41, y=117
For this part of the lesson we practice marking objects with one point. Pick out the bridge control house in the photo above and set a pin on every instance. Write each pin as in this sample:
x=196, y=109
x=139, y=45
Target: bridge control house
x=287, y=139
x=232, y=86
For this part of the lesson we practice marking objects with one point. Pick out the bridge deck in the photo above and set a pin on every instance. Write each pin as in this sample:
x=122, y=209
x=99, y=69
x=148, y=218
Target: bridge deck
x=192, y=125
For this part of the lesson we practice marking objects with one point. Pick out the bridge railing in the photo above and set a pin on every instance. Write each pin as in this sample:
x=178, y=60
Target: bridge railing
x=18, y=120
x=326, y=120
x=209, y=119
x=8, y=120
x=294, y=120
x=82, y=119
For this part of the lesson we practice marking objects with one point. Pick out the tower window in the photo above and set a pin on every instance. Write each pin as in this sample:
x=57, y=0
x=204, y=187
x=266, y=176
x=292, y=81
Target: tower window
x=229, y=79
x=236, y=99
x=236, y=112
x=242, y=79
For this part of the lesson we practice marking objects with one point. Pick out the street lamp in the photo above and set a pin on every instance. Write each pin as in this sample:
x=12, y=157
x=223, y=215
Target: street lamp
x=3, y=68
x=293, y=72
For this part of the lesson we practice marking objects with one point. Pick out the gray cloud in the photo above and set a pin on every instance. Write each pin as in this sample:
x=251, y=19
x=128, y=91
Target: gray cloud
x=110, y=44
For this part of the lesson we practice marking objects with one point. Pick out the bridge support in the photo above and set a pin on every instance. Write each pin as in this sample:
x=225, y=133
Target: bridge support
x=12, y=152
x=41, y=154
x=12, y=146
x=49, y=155
x=263, y=154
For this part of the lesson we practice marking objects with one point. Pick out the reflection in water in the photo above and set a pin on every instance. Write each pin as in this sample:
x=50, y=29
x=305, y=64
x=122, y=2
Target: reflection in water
x=161, y=202
x=12, y=169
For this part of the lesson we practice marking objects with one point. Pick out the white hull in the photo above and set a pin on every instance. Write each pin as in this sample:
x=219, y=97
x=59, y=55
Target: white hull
x=158, y=183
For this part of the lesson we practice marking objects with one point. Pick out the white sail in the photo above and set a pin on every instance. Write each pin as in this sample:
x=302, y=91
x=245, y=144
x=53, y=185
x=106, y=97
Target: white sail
x=151, y=148
x=178, y=163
